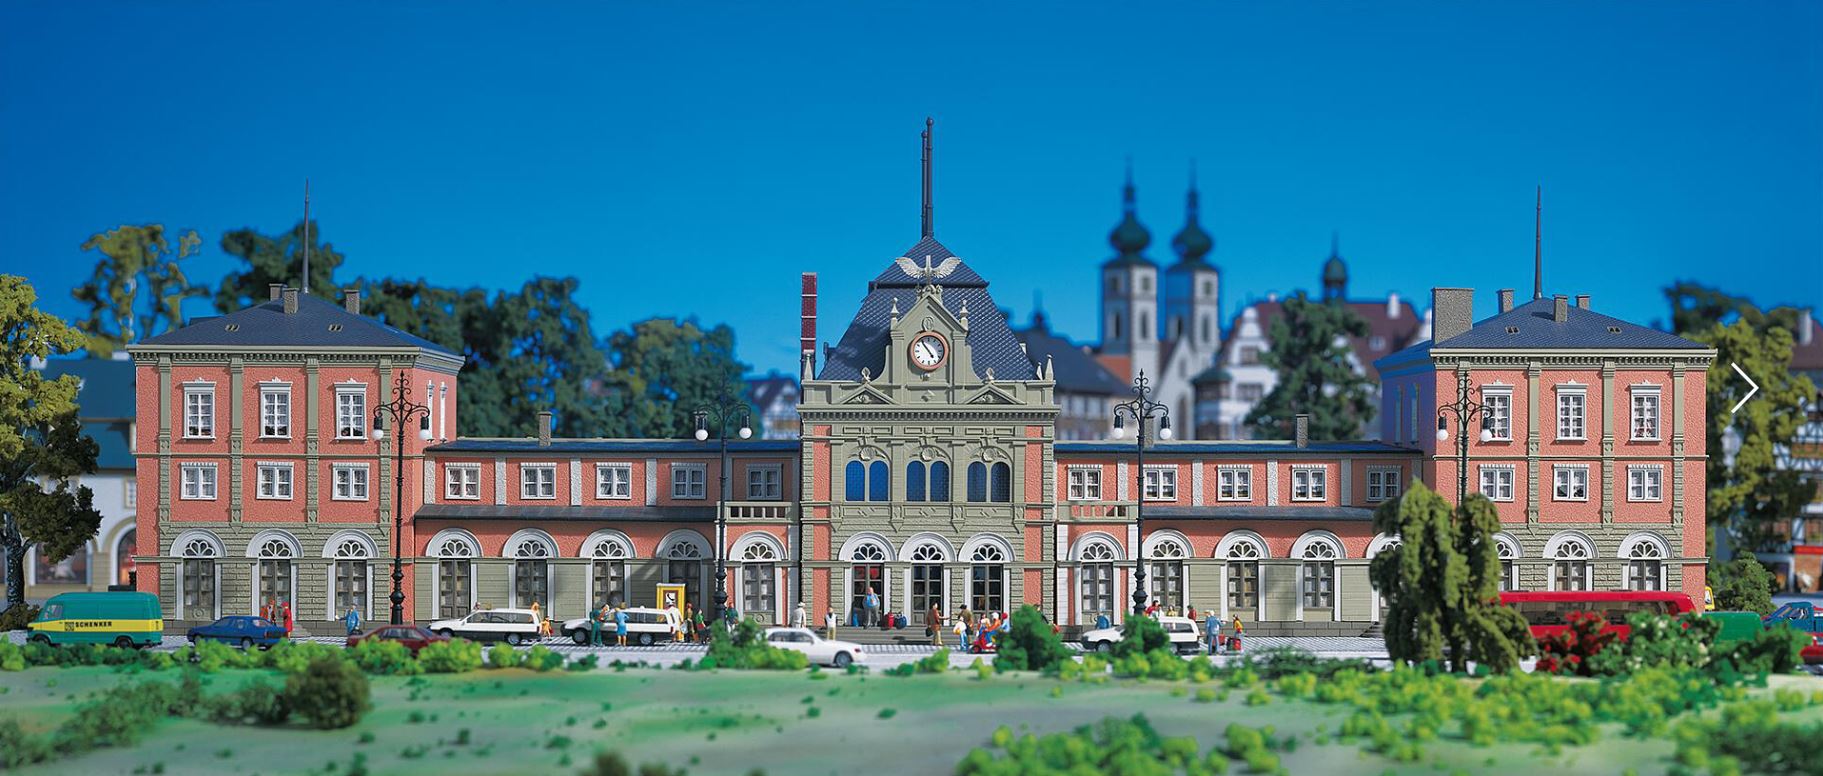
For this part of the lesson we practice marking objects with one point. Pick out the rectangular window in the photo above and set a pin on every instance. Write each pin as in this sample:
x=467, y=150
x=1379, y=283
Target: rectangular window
x=1499, y=406
x=198, y=481
x=1645, y=483
x=351, y=412
x=199, y=413
x=1250, y=391
x=275, y=413
x=1159, y=483
x=1243, y=585
x=1309, y=483
x=1085, y=483
x=350, y=482
x=758, y=587
x=1234, y=483
x=1382, y=484
x=1645, y=414
x=1497, y=482
x=1572, y=419
x=538, y=481
x=132, y=494
x=462, y=481
x=614, y=480
x=274, y=481
x=1572, y=482
x=765, y=483
x=689, y=480
x=1319, y=584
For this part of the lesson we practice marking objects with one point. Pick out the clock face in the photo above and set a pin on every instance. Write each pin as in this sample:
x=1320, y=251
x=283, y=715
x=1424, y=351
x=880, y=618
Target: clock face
x=928, y=351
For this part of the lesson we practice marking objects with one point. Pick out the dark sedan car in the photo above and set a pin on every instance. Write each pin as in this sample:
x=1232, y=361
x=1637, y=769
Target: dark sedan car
x=244, y=630
x=412, y=636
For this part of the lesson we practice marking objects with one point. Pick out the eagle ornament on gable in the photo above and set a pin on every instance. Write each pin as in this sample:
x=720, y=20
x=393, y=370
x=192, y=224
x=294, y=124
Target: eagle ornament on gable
x=928, y=273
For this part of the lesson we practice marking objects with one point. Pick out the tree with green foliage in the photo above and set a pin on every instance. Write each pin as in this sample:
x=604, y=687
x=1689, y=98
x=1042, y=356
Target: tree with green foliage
x=275, y=259
x=42, y=446
x=1031, y=644
x=331, y=692
x=1749, y=494
x=1742, y=585
x=1442, y=584
x=1311, y=354
x=137, y=289
x=1696, y=308
x=661, y=370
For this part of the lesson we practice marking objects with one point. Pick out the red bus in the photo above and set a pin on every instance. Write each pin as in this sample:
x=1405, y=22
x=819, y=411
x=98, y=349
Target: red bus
x=1549, y=612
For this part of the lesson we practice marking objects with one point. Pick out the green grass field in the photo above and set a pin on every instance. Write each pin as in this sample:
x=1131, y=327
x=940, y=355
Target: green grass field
x=514, y=721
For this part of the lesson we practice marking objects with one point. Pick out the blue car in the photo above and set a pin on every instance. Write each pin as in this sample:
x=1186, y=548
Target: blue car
x=244, y=630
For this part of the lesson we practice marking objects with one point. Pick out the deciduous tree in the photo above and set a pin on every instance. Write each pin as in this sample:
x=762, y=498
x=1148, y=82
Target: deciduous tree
x=661, y=370
x=1311, y=355
x=1749, y=494
x=275, y=259
x=137, y=289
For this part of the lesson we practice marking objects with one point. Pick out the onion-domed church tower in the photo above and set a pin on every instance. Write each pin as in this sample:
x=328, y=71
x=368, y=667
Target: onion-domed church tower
x=1129, y=296
x=1193, y=332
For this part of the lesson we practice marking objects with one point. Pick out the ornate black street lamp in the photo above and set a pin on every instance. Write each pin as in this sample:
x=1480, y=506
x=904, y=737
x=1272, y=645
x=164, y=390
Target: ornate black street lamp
x=401, y=410
x=726, y=411
x=1143, y=410
x=1465, y=412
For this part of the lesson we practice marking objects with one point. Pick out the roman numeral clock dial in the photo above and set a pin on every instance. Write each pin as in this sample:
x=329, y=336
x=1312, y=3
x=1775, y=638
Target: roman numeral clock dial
x=929, y=350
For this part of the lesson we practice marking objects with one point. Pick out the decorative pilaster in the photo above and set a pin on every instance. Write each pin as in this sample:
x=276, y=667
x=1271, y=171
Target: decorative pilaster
x=1534, y=492
x=1677, y=442
x=164, y=439
x=396, y=435
x=313, y=424
x=1609, y=476
x=237, y=377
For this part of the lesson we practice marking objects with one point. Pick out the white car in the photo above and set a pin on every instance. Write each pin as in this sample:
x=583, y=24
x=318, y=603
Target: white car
x=820, y=650
x=645, y=627
x=509, y=625
x=1182, y=632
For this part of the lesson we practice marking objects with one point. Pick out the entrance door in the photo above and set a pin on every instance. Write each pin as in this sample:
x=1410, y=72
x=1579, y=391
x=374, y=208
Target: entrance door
x=866, y=575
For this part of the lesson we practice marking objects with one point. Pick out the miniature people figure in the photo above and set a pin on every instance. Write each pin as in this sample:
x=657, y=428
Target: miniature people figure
x=537, y=615
x=870, y=608
x=961, y=631
x=933, y=621
x=798, y=616
x=1214, y=634
x=595, y=617
x=353, y=621
x=287, y=609
x=829, y=623
x=620, y=625
x=1102, y=621
x=1237, y=631
x=689, y=622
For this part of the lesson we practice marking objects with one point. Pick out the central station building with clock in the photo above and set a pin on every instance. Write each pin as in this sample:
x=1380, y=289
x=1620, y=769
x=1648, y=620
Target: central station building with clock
x=928, y=472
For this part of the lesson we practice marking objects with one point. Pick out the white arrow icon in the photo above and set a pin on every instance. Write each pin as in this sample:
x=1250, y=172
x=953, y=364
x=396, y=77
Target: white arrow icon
x=1751, y=384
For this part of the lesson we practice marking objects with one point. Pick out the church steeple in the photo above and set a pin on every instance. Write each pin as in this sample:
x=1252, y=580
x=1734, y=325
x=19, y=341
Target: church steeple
x=1129, y=237
x=1191, y=242
x=1335, y=272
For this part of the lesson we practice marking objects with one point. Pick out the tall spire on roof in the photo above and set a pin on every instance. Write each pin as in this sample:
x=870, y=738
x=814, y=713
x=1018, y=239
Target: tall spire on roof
x=1538, y=247
x=1191, y=242
x=1129, y=236
x=930, y=228
x=306, y=236
x=1335, y=271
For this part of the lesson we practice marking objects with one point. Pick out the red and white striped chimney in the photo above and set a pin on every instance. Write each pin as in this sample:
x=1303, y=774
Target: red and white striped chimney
x=807, y=324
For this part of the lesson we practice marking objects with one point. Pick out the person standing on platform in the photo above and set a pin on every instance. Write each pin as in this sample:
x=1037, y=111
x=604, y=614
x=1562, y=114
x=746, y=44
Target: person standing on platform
x=870, y=606
x=353, y=621
x=620, y=625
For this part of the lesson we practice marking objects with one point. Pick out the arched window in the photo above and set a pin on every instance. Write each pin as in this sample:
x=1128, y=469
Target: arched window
x=914, y=481
x=1320, y=575
x=987, y=579
x=1165, y=581
x=123, y=557
x=607, y=573
x=684, y=566
x=1570, y=566
x=857, y=481
x=200, y=579
x=879, y=482
x=1000, y=483
x=758, y=572
x=274, y=571
x=1095, y=578
x=927, y=579
x=977, y=481
x=1645, y=565
x=1508, y=552
x=1142, y=331
x=532, y=574
x=351, y=576
x=939, y=481
x=1244, y=576
x=455, y=576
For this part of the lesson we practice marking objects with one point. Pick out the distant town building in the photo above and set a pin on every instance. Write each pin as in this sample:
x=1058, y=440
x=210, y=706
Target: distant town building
x=775, y=396
x=1800, y=567
x=1085, y=391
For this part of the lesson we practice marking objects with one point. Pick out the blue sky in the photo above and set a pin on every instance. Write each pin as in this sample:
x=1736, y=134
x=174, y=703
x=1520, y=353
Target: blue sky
x=692, y=159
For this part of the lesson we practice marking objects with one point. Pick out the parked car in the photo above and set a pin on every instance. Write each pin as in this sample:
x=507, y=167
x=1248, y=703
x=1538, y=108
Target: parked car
x=509, y=625
x=123, y=618
x=1181, y=631
x=645, y=626
x=1812, y=654
x=1801, y=615
x=414, y=637
x=244, y=630
x=820, y=650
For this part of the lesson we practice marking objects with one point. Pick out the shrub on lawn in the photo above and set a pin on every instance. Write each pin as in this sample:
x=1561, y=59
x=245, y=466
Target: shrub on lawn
x=503, y=656
x=1749, y=738
x=11, y=657
x=1742, y=585
x=1140, y=635
x=1571, y=650
x=387, y=658
x=612, y=764
x=1284, y=661
x=293, y=656
x=541, y=658
x=17, y=748
x=1030, y=644
x=17, y=617
x=257, y=702
x=742, y=647
x=1771, y=651
x=450, y=657
x=1115, y=747
x=330, y=692
x=1659, y=641
x=934, y=663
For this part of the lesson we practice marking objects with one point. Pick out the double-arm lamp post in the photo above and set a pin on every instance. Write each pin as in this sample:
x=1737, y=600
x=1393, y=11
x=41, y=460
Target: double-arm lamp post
x=725, y=411
x=1465, y=412
x=1143, y=410
x=401, y=410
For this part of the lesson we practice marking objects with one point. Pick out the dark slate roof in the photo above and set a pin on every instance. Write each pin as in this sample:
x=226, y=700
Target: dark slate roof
x=544, y=514
x=1214, y=374
x=863, y=346
x=1808, y=356
x=1237, y=447
x=763, y=391
x=104, y=405
x=1356, y=514
x=1075, y=369
x=1534, y=327
x=529, y=445
x=266, y=324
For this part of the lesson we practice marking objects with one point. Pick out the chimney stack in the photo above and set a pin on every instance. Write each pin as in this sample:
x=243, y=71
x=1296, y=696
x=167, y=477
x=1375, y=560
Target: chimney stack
x=1301, y=424
x=1453, y=312
x=807, y=323
x=1506, y=300
x=544, y=428
x=1806, y=326
x=1582, y=301
x=1392, y=305
x=351, y=300
x=291, y=300
x=276, y=289
x=1560, y=310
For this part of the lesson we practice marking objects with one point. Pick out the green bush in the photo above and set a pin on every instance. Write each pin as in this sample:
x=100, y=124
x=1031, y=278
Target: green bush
x=541, y=658
x=1771, y=651
x=1658, y=641
x=1749, y=737
x=12, y=658
x=1140, y=635
x=1115, y=747
x=16, y=618
x=503, y=656
x=330, y=692
x=455, y=656
x=1742, y=585
x=257, y=702
x=387, y=658
x=1284, y=661
x=744, y=648
x=292, y=656
x=1030, y=644
x=18, y=748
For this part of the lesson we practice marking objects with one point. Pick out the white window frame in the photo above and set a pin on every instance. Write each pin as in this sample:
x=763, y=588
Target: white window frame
x=1499, y=482
x=1084, y=483
x=1314, y=483
x=1498, y=401
x=467, y=486
x=1233, y=483
x=1390, y=481
x=1580, y=432
x=363, y=481
x=203, y=483
x=778, y=482
x=1164, y=477
x=275, y=396
x=343, y=429
x=269, y=476
x=199, y=411
x=130, y=494
x=606, y=489
x=1649, y=478
x=533, y=487
x=1641, y=396
x=1558, y=480
x=699, y=482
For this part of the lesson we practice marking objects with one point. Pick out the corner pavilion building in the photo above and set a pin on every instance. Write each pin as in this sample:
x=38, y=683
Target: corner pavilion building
x=928, y=471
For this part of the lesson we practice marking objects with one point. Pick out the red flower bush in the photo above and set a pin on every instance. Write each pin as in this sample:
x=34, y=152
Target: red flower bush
x=1569, y=651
